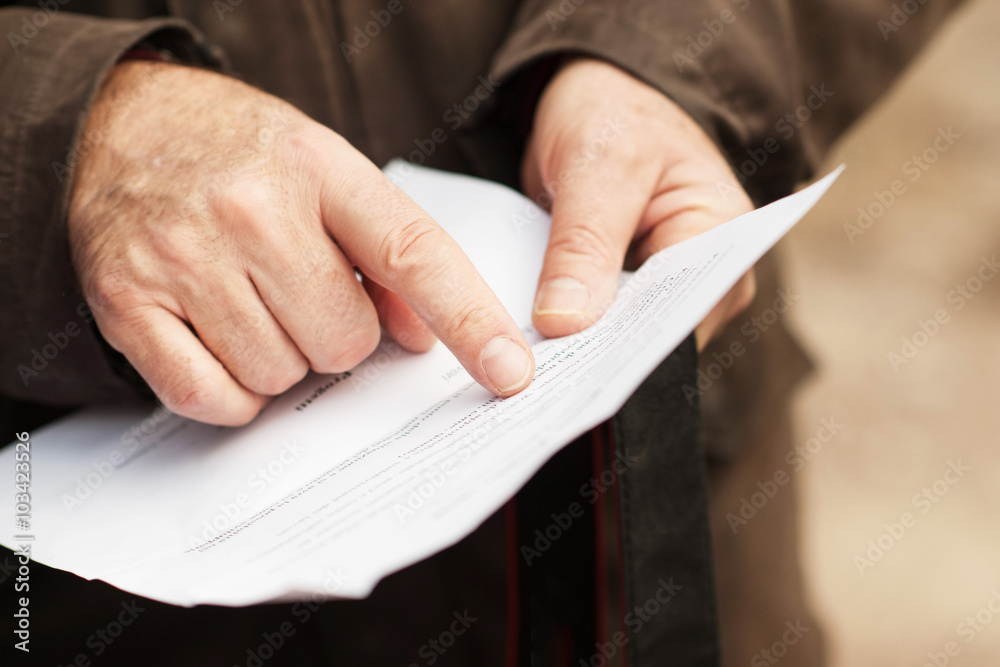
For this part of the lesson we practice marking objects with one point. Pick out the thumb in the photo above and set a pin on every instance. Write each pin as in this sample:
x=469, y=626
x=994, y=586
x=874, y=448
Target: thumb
x=594, y=217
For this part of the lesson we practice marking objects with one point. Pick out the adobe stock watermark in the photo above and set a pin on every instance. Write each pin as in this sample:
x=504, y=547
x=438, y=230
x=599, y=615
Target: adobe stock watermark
x=23, y=540
x=923, y=501
x=796, y=458
x=452, y=117
x=230, y=511
x=698, y=44
x=559, y=15
x=787, y=126
x=590, y=491
x=8, y=568
x=434, y=479
x=635, y=620
x=914, y=168
x=223, y=7
x=302, y=611
x=131, y=443
x=22, y=617
x=968, y=629
x=374, y=366
x=898, y=17
x=435, y=647
x=752, y=329
x=958, y=297
x=430, y=483
x=53, y=345
x=779, y=649
x=29, y=27
x=271, y=642
x=361, y=37
x=580, y=161
x=103, y=637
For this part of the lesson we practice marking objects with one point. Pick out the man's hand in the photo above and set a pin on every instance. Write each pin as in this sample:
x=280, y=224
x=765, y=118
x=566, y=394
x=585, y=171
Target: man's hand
x=628, y=173
x=216, y=230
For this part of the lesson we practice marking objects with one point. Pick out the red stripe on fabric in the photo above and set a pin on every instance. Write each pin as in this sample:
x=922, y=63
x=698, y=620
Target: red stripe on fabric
x=616, y=499
x=567, y=645
x=601, y=599
x=513, y=591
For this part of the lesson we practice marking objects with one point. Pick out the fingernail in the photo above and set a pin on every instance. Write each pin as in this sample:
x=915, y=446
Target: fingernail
x=563, y=296
x=506, y=364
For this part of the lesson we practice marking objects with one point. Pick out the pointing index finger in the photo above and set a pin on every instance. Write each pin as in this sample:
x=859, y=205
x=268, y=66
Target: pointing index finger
x=397, y=244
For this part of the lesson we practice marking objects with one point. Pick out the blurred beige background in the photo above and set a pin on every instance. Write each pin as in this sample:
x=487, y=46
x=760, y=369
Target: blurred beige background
x=904, y=426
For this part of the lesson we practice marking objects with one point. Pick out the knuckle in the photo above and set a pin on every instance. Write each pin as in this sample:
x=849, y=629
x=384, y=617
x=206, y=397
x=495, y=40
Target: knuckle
x=585, y=244
x=190, y=397
x=111, y=293
x=234, y=341
x=182, y=245
x=345, y=332
x=315, y=141
x=260, y=361
x=410, y=248
x=628, y=152
x=467, y=319
x=241, y=203
x=350, y=350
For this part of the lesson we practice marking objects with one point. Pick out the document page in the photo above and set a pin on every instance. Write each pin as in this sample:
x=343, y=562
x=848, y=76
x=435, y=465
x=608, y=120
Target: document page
x=347, y=478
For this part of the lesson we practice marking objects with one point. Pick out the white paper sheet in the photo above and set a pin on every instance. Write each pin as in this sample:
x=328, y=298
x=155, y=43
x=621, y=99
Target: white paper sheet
x=348, y=478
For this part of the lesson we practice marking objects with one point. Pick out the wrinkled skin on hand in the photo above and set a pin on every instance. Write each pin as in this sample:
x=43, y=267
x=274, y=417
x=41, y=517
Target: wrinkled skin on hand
x=627, y=173
x=216, y=229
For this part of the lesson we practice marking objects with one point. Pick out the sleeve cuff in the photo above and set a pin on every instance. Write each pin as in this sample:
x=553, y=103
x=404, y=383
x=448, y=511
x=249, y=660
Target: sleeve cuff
x=734, y=91
x=50, y=350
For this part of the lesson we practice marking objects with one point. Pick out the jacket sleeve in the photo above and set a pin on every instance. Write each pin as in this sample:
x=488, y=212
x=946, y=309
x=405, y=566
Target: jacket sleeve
x=51, y=66
x=773, y=82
